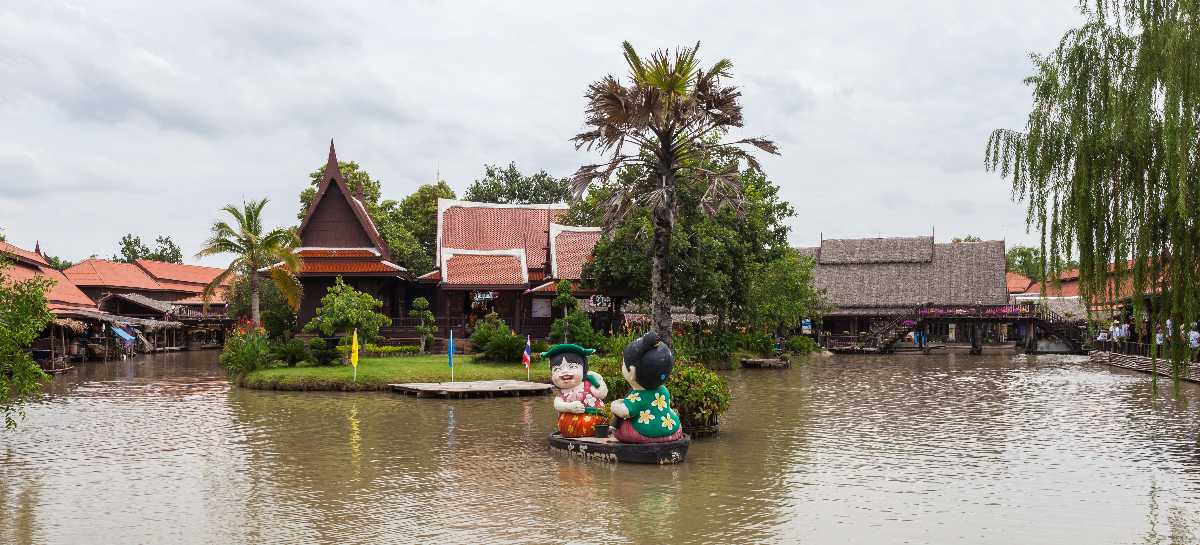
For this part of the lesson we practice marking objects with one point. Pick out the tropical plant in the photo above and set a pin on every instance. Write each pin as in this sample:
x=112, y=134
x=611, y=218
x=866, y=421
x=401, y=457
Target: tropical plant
x=1107, y=161
x=490, y=326
x=322, y=354
x=427, y=325
x=254, y=250
x=344, y=308
x=673, y=113
x=245, y=352
x=23, y=316
x=290, y=351
x=493, y=340
x=277, y=317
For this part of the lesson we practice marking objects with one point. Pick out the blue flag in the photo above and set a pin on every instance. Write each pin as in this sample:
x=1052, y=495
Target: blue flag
x=450, y=350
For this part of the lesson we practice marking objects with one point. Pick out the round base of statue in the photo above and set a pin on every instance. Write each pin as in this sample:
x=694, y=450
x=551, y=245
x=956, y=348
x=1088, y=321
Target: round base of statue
x=608, y=449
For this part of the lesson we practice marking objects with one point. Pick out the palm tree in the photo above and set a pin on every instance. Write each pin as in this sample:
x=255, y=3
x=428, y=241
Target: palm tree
x=254, y=251
x=674, y=114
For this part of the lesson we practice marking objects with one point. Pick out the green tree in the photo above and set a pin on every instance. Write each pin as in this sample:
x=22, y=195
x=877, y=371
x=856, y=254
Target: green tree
x=507, y=185
x=277, y=317
x=1027, y=260
x=427, y=324
x=344, y=308
x=359, y=182
x=418, y=213
x=574, y=326
x=966, y=238
x=253, y=249
x=783, y=294
x=672, y=114
x=132, y=249
x=714, y=255
x=23, y=316
x=58, y=263
x=1107, y=161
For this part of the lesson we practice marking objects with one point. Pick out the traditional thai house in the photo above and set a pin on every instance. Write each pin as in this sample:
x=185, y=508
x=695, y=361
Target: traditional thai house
x=501, y=258
x=338, y=238
x=507, y=259
x=874, y=280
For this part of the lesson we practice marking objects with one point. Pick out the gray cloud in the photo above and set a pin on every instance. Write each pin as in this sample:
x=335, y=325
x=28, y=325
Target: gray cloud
x=172, y=109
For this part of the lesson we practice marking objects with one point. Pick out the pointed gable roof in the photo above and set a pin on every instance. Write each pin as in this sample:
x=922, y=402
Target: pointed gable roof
x=335, y=212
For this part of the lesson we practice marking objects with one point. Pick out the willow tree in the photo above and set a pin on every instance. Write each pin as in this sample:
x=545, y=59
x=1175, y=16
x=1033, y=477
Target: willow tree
x=669, y=118
x=1109, y=161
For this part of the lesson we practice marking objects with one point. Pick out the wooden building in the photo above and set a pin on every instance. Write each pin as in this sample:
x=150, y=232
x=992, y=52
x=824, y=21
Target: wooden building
x=499, y=258
x=874, y=280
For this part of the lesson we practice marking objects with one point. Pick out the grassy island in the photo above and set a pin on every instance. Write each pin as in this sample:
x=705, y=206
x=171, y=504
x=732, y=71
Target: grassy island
x=377, y=373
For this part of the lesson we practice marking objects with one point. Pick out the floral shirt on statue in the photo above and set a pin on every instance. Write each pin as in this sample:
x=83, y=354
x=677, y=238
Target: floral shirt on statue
x=651, y=413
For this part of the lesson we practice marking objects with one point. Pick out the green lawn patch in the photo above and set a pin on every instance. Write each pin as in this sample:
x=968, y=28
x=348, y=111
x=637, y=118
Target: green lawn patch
x=377, y=373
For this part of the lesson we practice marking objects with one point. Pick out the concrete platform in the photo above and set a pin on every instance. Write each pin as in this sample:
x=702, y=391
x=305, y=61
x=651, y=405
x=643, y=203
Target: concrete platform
x=477, y=388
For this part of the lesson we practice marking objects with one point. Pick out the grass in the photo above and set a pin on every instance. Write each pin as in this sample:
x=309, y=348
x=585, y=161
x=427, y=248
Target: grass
x=377, y=373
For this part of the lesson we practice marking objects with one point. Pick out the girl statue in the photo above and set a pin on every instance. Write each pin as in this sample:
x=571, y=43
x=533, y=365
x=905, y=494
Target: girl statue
x=645, y=414
x=580, y=392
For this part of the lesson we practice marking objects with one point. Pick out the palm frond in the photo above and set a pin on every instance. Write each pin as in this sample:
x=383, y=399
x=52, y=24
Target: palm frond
x=289, y=286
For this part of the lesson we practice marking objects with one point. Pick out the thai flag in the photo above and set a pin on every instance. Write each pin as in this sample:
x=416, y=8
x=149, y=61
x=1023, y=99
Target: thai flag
x=528, y=353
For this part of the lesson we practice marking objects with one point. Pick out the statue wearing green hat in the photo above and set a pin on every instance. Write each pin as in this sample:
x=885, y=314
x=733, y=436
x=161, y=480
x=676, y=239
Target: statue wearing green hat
x=580, y=392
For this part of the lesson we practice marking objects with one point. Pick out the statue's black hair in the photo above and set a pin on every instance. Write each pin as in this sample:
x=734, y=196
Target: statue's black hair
x=557, y=360
x=650, y=359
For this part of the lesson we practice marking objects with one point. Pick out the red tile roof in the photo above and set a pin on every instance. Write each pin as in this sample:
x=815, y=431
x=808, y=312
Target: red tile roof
x=22, y=253
x=336, y=252
x=62, y=294
x=347, y=266
x=572, y=249
x=178, y=272
x=484, y=270
x=483, y=226
x=111, y=274
x=1017, y=282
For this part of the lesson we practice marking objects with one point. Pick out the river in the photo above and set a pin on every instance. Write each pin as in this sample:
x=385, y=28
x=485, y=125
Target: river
x=899, y=449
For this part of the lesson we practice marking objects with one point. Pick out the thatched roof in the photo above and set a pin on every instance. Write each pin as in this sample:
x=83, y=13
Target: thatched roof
x=888, y=276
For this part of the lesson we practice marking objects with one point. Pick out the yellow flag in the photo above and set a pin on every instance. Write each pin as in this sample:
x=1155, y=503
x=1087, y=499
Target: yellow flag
x=354, y=349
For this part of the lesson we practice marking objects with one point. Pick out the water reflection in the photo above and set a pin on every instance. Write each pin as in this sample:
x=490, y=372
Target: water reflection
x=884, y=450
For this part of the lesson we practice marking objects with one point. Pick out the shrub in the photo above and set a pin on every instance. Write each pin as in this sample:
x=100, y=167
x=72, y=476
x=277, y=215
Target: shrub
x=756, y=342
x=485, y=330
x=706, y=346
x=505, y=348
x=344, y=308
x=377, y=351
x=427, y=327
x=698, y=394
x=575, y=328
x=245, y=352
x=291, y=352
x=322, y=354
x=615, y=344
x=801, y=345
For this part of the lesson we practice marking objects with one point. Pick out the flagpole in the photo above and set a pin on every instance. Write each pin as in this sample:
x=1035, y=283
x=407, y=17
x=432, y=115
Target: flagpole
x=529, y=363
x=450, y=354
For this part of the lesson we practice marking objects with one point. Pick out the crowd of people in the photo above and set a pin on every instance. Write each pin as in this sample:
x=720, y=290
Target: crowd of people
x=1121, y=332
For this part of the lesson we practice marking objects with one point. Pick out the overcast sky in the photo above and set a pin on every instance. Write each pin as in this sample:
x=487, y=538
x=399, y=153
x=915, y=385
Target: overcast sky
x=146, y=117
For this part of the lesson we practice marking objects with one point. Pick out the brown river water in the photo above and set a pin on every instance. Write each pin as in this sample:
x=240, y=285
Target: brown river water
x=888, y=449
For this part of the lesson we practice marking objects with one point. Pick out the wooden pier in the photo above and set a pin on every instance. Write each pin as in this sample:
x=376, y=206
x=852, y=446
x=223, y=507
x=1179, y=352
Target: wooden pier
x=1143, y=364
x=478, y=388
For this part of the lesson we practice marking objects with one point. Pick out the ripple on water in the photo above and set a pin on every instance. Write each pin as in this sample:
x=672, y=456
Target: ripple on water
x=888, y=449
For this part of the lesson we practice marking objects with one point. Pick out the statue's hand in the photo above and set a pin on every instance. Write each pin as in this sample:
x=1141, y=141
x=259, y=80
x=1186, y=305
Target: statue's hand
x=574, y=407
x=619, y=409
